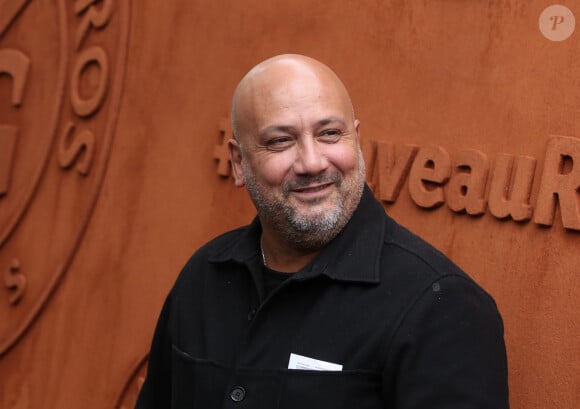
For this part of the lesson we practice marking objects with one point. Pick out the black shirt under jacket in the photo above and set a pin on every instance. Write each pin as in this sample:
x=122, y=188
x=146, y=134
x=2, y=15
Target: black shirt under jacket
x=410, y=329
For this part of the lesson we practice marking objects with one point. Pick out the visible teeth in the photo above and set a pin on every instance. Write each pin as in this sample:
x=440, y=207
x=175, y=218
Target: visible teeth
x=312, y=189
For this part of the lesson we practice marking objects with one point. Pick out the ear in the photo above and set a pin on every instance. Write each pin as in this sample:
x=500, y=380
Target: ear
x=357, y=131
x=236, y=159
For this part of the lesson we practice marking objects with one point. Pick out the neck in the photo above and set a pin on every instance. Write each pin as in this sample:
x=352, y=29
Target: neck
x=280, y=256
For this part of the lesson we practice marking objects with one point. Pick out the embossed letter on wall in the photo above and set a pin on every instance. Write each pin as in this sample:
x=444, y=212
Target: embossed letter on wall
x=467, y=183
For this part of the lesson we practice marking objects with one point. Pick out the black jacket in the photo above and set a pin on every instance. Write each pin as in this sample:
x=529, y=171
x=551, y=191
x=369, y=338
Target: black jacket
x=411, y=330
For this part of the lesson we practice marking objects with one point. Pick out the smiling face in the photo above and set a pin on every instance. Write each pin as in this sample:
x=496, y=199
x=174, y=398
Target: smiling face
x=297, y=150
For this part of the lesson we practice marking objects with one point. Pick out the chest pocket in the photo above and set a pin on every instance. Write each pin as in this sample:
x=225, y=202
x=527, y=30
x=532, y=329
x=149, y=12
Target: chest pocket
x=203, y=384
x=330, y=389
x=196, y=383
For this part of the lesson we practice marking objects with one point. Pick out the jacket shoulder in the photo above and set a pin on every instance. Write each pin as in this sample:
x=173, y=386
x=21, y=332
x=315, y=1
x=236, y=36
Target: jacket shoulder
x=419, y=260
x=401, y=242
x=218, y=248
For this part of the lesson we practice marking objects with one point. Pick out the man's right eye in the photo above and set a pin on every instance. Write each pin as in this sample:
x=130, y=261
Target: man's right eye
x=279, y=143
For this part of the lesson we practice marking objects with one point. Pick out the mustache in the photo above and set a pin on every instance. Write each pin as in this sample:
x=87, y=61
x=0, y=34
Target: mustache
x=304, y=181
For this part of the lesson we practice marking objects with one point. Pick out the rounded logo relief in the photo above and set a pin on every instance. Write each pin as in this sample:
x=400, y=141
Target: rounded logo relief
x=61, y=74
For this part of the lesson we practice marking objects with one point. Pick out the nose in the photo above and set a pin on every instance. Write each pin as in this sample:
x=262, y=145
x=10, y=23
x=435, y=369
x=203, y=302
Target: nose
x=310, y=160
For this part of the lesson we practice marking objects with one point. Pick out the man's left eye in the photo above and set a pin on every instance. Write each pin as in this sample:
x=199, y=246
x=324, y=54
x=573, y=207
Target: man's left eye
x=330, y=135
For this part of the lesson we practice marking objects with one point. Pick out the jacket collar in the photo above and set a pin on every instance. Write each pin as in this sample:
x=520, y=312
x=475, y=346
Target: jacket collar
x=353, y=255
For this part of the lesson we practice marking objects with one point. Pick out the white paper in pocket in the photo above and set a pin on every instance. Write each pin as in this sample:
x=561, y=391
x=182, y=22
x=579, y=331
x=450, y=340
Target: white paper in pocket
x=304, y=363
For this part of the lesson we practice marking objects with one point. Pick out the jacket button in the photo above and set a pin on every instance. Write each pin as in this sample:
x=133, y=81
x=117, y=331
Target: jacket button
x=251, y=314
x=238, y=394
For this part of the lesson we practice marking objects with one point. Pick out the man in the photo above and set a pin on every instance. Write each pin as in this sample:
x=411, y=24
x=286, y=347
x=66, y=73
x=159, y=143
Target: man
x=323, y=301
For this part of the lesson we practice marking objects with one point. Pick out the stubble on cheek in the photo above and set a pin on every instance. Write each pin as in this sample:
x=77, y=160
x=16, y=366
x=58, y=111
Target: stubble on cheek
x=307, y=228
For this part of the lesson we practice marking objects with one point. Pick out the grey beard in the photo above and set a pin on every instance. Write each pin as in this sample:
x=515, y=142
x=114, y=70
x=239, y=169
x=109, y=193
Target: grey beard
x=310, y=225
x=306, y=232
x=310, y=233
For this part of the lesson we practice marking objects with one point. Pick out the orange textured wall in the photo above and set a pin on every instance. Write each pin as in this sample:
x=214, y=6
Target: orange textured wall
x=112, y=120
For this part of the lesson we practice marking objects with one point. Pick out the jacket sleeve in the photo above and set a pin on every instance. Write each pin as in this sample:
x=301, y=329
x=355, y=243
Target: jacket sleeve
x=156, y=390
x=449, y=351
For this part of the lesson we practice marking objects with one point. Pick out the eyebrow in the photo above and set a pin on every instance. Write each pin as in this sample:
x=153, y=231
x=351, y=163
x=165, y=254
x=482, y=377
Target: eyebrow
x=290, y=129
x=279, y=128
x=330, y=120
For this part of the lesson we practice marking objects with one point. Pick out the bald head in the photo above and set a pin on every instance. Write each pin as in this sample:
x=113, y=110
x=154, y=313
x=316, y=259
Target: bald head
x=276, y=81
x=297, y=152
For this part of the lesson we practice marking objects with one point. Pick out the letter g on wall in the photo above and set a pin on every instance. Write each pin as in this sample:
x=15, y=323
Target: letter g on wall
x=56, y=131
